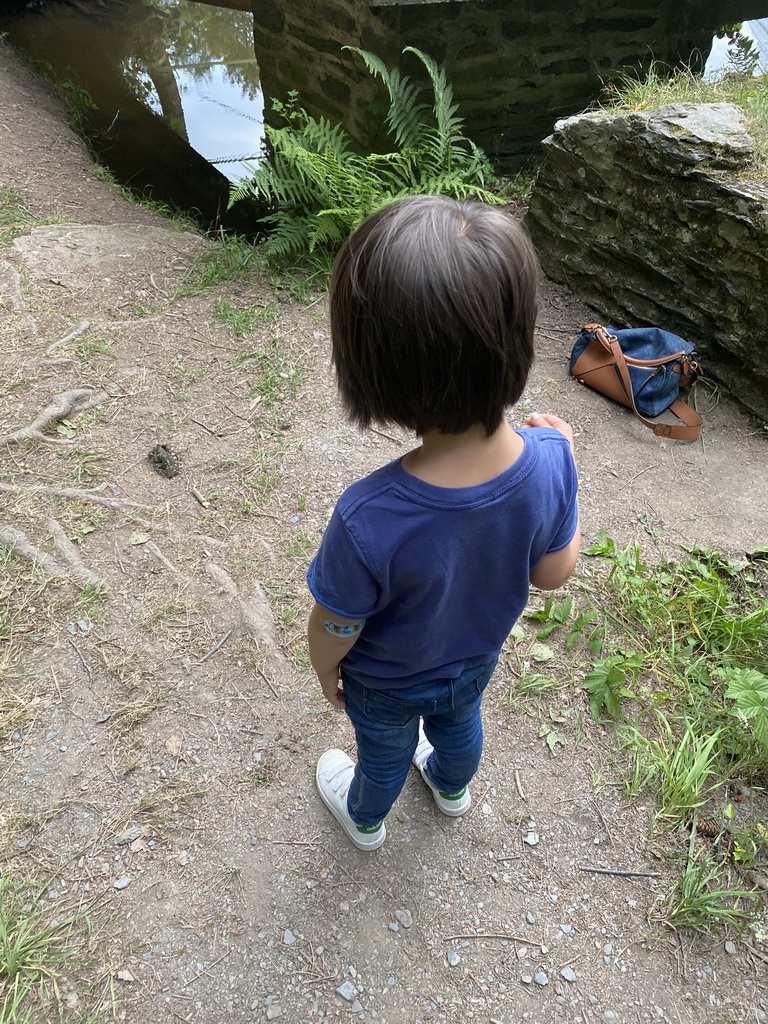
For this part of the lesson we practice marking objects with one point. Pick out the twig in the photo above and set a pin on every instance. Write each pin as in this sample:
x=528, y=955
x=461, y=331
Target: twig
x=81, y=328
x=215, y=433
x=519, y=786
x=274, y=691
x=215, y=647
x=198, y=497
x=76, y=649
x=621, y=874
x=529, y=941
x=599, y=813
x=755, y=952
x=381, y=433
x=206, y=970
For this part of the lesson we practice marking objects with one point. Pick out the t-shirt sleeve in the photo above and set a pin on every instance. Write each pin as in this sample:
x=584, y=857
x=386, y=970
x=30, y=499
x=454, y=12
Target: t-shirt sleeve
x=566, y=510
x=339, y=576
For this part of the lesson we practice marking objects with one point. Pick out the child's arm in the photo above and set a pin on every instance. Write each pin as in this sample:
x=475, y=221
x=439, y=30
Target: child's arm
x=327, y=650
x=552, y=571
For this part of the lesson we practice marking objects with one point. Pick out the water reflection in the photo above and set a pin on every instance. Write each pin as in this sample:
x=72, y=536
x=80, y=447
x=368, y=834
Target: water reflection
x=176, y=85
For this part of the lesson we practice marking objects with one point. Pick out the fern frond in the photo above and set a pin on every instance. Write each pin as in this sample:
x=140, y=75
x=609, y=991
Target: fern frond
x=405, y=112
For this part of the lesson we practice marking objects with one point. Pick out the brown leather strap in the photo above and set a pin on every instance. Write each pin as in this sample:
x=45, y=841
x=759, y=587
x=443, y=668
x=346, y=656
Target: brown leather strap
x=693, y=422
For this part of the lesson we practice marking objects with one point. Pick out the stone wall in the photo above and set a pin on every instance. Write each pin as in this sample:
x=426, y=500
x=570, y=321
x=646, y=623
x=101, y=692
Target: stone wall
x=651, y=219
x=515, y=67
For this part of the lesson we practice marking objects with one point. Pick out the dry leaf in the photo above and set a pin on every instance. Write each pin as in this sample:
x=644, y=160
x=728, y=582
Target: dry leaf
x=173, y=745
x=125, y=976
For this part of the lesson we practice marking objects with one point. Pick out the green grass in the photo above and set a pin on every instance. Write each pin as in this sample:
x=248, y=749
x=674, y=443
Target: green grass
x=14, y=218
x=664, y=85
x=36, y=948
x=675, y=655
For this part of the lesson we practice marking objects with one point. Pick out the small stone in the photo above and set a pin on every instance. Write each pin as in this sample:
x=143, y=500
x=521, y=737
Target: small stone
x=526, y=979
x=531, y=838
x=568, y=974
x=593, y=999
x=347, y=991
x=123, y=882
x=530, y=918
x=288, y=937
x=22, y=844
x=541, y=978
x=608, y=948
x=609, y=1015
x=393, y=926
x=730, y=948
x=453, y=958
x=356, y=1007
x=129, y=836
x=274, y=1011
x=566, y=929
x=405, y=917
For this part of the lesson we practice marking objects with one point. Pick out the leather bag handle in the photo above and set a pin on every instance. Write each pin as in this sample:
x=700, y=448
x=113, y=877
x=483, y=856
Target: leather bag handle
x=693, y=422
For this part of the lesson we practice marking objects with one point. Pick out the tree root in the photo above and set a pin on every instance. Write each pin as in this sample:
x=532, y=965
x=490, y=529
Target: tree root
x=81, y=328
x=114, y=504
x=68, y=403
x=68, y=564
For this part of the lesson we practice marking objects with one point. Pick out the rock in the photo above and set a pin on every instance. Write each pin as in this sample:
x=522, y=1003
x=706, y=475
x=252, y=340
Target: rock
x=288, y=937
x=347, y=991
x=531, y=838
x=122, y=882
x=568, y=974
x=129, y=836
x=453, y=958
x=730, y=948
x=641, y=214
x=566, y=929
x=356, y=1007
x=274, y=1011
x=530, y=918
x=405, y=917
x=526, y=979
x=541, y=978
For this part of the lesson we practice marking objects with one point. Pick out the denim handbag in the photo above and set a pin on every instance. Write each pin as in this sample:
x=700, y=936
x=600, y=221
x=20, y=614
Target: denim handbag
x=644, y=368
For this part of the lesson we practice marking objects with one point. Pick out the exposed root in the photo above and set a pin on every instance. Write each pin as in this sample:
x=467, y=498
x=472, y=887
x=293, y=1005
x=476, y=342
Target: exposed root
x=68, y=564
x=71, y=555
x=81, y=328
x=255, y=613
x=115, y=504
x=68, y=403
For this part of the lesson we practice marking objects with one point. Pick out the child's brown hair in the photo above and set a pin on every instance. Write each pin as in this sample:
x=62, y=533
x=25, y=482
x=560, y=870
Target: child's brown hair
x=433, y=308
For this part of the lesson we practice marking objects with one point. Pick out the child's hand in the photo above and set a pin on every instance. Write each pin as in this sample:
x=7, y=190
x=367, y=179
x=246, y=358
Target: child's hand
x=537, y=419
x=332, y=690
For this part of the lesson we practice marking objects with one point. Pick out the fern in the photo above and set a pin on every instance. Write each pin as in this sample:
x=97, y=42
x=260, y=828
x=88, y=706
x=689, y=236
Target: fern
x=320, y=189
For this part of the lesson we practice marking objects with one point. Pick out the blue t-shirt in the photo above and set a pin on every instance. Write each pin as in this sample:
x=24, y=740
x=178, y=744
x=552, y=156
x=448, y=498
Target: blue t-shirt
x=441, y=574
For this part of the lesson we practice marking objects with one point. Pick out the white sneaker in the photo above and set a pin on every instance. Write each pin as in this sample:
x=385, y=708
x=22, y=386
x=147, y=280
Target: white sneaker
x=452, y=804
x=334, y=776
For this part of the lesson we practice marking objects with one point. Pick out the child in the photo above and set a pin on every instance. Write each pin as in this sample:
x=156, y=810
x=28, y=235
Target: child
x=425, y=564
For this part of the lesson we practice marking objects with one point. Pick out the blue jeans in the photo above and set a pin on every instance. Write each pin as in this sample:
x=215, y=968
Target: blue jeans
x=387, y=731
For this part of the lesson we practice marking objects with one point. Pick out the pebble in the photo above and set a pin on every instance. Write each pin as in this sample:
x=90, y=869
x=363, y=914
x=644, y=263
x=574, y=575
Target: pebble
x=530, y=918
x=541, y=978
x=405, y=917
x=566, y=929
x=356, y=1007
x=129, y=836
x=608, y=948
x=123, y=882
x=393, y=926
x=274, y=1011
x=288, y=937
x=568, y=974
x=453, y=958
x=531, y=838
x=730, y=948
x=347, y=991
x=609, y=1015
x=526, y=979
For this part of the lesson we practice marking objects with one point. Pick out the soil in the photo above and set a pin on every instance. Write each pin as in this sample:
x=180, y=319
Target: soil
x=159, y=746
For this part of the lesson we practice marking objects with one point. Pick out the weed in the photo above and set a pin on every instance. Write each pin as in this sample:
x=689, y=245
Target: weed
x=302, y=546
x=90, y=343
x=225, y=259
x=700, y=901
x=14, y=218
x=125, y=718
x=279, y=372
x=245, y=321
x=35, y=946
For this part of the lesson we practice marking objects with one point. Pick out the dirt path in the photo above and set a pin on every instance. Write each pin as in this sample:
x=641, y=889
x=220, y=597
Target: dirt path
x=161, y=725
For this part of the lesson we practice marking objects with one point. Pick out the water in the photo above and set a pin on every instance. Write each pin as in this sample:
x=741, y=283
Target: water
x=180, y=84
